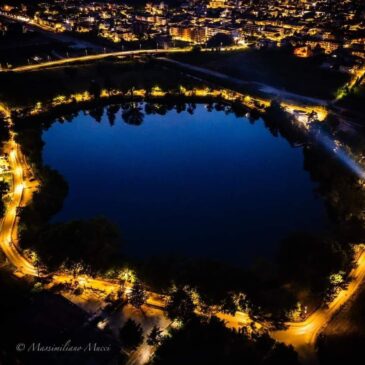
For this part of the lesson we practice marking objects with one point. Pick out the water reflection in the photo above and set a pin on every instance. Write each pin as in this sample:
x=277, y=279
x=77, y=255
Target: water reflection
x=193, y=179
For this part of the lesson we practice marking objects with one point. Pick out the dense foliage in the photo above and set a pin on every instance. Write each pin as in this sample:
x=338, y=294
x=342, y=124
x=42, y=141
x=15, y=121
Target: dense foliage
x=93, y=242
x=211, y=342
x=131, y=335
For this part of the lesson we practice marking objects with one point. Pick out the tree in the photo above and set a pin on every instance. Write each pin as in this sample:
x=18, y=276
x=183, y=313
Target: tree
x=277, y=113
x=2, y=209
x=97, y=113
x=95, y=89
x=4, y=131
x=180, y=306
x=220, y=40
x=131, y=334
x=228, y=305
x=133, y=115
x=211, y=342
x=4, y=188
x=309, y=260
x=137, y=296
x=155, y=336
x=94, y=242
x=111, y=111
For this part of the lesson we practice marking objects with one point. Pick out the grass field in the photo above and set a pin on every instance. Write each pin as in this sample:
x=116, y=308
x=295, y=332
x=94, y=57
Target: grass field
x=278, y=68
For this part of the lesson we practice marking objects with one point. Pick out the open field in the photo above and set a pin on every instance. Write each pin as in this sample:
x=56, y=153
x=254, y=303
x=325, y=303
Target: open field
x=277, y=68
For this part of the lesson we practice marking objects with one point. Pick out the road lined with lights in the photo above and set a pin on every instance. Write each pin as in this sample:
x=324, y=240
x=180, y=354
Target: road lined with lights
x=8, y=239
x=302, y=335
x=101, y=56
x=95, y=57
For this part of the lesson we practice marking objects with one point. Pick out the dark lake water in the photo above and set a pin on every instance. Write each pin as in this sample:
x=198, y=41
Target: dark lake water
x=207, y=184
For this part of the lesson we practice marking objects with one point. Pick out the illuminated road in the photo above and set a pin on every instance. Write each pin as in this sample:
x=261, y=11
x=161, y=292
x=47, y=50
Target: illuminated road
x=96, y=57
x=8, y=240
x=302, y=335
x=101, y=56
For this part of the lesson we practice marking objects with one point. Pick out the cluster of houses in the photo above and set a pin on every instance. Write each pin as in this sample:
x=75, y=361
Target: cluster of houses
x=308, y=26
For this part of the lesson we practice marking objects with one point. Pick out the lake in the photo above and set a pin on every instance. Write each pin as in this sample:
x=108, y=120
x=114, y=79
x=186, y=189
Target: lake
x=207, y=184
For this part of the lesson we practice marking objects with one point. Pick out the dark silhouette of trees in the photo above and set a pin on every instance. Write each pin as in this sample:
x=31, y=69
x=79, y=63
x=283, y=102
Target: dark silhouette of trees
x=111, y=111
x=228, y=305
x=150, y=108
x=46, y=201
x=95, y=89
x=155, y=336
x=180, y=107
x=210, y=107
x=138, y=296
x=4, y=189
x=340, y=187
x=2, y=208
x=278, y=121
x=180, y=306
x=276, y=113
x=4, y=131
x=211, y=342
x=191, y=108
x=133, y=115
x=153, y=108
x=309, y=260
x=94, y=242
x=97, y=113
x=220, y=40
x=238, y=109
x=31, y=142
x=131, y=335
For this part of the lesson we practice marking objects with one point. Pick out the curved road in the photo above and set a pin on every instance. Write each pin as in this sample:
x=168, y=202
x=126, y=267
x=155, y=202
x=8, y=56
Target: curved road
x=303, y=335
x=7, y=239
